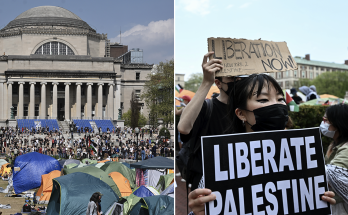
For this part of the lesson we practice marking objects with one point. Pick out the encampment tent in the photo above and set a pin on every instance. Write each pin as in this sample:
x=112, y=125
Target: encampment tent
x=143, y=191
x=44, y=193
x=70, y=161
x=4, y=168
x=119, y=167
x=154, y=205
x=169, y=191
x=165, y=181
x=71, y=194
x=70, y=165
x=154, y=163
x=32, y=166
x=96, y=172
x=89, y=161
x=2, y=162
x=122, y=183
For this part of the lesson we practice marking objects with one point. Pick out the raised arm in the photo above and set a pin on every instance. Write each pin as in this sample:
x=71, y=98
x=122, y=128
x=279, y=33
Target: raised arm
x=191, y=111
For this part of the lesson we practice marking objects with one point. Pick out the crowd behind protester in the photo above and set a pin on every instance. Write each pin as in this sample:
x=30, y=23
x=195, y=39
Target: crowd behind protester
x=112, y=145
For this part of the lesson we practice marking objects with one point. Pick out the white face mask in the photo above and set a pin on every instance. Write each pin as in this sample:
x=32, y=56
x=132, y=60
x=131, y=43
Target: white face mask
x=324, y=128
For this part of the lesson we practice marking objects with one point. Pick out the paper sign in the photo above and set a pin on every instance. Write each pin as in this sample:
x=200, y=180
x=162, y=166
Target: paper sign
x=276, y=172
x=244, y=57
x=16, y=169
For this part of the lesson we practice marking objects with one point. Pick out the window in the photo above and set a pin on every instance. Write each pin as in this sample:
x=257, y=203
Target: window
x=37, y=109
x=317, y=74
x=25, y=110
x=122, y=105
x=14, y=109
x=295, y=73
x=37, y=90
x=137, y=94
x=286, y=84
x=15, y=89
x=137, y=76
x=287, y=73
x=26, y=89
x=178, y=78
x=322, y=69
x=303, y=74
x=311, y=75
x=279, y=75
x=280, y=84
x=311, y=68
x=54, y=48
x=271, y=74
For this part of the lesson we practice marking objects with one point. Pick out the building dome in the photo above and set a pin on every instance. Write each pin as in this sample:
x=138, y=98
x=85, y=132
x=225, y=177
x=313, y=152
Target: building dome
x=47, y=16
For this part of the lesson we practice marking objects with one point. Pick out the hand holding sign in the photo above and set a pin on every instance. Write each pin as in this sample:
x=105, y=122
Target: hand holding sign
x=198, y=198
x=210, y=67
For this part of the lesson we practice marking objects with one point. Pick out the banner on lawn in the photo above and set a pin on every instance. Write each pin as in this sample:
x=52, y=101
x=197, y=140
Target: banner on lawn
x=244, y=57
x=272, y=172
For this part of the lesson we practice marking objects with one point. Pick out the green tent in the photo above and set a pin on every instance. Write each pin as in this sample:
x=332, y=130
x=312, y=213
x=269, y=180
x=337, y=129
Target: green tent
x=71, y=194
x=89, y=161
x=164, y=181
x=96, y=172
x=130, y=202
x=119, y=167
x=154, y=205
x=71, y=165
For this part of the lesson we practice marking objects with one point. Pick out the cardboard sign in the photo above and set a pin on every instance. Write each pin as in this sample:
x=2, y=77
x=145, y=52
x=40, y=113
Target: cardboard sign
x=244, y=57
x=273, y=172
x=16, y=169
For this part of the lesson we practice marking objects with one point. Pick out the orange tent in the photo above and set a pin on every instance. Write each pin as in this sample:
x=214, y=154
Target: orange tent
x=326, y=96
x=213, y=89
x=122, y=183
x=43, y=195
x=103, y=161
x=181, y=94
x=3, y=167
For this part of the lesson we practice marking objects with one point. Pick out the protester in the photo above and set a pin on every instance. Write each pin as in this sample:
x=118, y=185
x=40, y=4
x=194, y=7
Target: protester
x=94, y=207
x=255, y=95
x=334, y=125
x=295, y=97
x=193, y=117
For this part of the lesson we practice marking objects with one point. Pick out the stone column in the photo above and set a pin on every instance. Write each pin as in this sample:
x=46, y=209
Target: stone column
x=55, y=100
x=21, y=100
x=78, y=100
x=89, y=100
x=111, y=101
x=100, y=100
x=117, y=104
x=43, y=101
x=32, y=99
x=67, y=102
x=9, y=98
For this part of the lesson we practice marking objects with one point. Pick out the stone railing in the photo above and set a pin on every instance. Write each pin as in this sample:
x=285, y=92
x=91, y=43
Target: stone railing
x=53, y=31
x=3, y=57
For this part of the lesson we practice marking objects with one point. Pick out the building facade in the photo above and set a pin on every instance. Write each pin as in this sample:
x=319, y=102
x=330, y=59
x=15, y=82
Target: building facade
x=180, y=79
x=54, y=65
x=308, y=69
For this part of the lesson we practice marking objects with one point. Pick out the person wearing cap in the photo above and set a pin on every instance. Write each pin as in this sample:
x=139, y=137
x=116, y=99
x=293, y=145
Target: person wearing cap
x=194, y=114
x=295, y=97
x=94, y=207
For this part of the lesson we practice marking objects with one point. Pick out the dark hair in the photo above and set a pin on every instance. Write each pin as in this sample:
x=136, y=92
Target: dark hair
x=243, y=91
x=95, y=198
x=338, y=117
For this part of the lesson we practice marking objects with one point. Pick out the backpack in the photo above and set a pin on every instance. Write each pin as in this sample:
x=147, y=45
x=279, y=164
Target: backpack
x=187, y=153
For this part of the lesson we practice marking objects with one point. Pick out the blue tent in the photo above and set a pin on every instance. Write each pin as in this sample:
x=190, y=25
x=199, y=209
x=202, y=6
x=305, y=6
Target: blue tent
x=71, y=194
x=30, y=168
x=142, y=191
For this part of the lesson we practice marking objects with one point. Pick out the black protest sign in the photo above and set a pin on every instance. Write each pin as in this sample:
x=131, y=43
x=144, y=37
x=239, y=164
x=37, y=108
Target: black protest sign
x=243, y=57
x=273, y=172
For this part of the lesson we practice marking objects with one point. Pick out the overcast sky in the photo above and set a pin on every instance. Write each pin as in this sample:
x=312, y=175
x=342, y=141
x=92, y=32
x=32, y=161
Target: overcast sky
x=148, y=25
x=314, y=27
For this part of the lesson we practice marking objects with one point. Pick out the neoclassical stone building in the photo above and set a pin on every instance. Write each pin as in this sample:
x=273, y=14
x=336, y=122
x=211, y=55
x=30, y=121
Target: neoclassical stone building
x=54, y=65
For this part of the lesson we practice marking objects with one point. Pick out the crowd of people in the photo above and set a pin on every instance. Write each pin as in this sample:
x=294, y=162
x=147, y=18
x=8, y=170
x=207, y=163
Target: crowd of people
x=102, y=145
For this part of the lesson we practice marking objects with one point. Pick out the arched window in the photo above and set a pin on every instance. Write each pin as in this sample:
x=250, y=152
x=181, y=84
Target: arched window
x=54, y=48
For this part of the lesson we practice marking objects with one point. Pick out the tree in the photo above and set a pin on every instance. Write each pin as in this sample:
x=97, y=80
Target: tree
x=333, y=83
x=127, y=119
x=135, y=111
x=159, y=91
x=194, y=82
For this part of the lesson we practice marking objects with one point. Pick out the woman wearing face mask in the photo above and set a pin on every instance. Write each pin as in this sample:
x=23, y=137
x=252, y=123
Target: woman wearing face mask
x=258, y=105
x=334, y=125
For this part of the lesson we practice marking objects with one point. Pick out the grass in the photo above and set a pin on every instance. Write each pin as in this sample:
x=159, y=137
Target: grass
x=16, y=203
